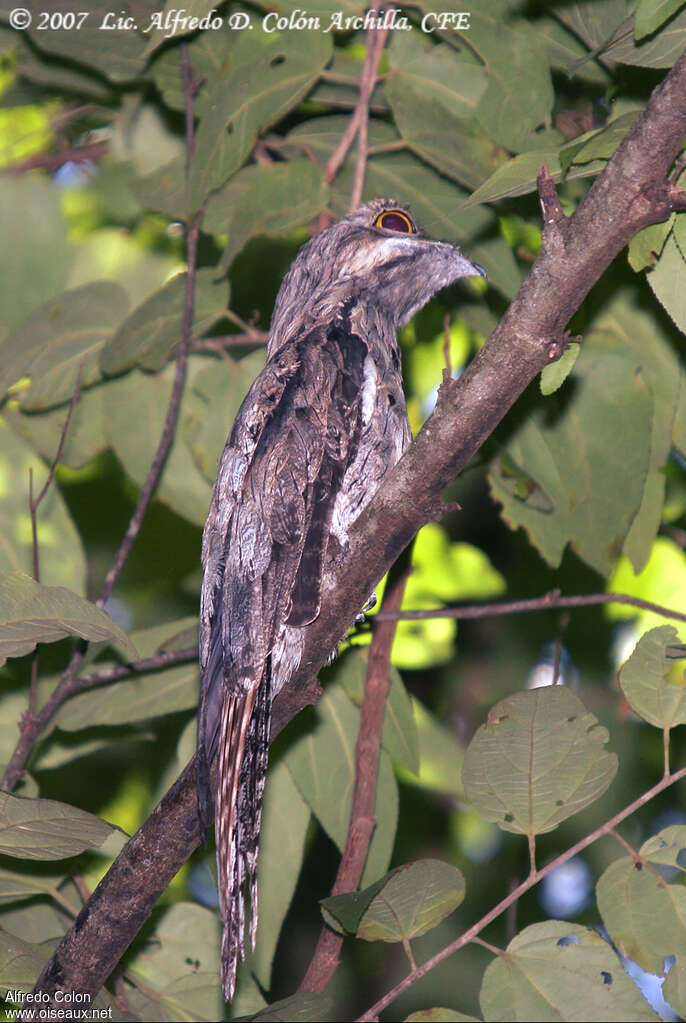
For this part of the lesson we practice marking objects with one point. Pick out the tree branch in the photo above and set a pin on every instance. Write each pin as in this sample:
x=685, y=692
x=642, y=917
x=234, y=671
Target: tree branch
x=632, y=192
x=362, y=819
x=372, y=1014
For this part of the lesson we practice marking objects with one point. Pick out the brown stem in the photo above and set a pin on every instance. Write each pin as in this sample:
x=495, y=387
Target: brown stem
x=373, y=1012
x=362, y=820
x=376, y=40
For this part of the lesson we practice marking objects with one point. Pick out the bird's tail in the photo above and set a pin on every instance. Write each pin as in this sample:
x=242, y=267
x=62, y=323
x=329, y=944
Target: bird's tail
x=243, y=751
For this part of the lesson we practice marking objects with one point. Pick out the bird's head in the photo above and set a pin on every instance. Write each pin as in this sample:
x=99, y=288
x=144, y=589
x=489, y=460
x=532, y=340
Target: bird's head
x=378, y=257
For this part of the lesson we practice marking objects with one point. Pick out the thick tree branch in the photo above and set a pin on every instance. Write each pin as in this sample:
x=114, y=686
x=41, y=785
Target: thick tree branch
x=632, y=192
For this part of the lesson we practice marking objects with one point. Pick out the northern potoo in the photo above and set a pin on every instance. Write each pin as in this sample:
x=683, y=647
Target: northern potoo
x=317, y=432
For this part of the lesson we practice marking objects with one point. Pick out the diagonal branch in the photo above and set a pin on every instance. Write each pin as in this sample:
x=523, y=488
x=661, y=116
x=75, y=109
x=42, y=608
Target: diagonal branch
x=633, y=191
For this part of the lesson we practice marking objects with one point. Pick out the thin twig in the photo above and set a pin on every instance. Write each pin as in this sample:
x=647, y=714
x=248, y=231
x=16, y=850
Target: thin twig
x=376, y=40
x=362, y=819
x=373, y=1012
x=361, y=111
x=160, y=457
x=549, y=600
x=34, y=505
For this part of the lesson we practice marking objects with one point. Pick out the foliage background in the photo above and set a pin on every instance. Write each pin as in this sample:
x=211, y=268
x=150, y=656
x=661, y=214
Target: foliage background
x=581, y=488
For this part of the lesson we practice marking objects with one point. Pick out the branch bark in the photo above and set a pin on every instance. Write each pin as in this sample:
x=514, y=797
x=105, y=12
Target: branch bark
x=632, y=192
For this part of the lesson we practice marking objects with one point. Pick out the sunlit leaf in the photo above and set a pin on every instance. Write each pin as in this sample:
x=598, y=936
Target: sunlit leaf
x=415, y=898
x=653, y=683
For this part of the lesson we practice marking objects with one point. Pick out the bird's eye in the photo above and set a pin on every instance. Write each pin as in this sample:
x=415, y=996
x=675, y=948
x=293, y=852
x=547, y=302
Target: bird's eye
x=395, y=220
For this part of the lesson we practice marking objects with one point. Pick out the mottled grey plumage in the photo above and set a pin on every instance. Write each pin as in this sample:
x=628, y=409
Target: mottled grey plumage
x=317, y=432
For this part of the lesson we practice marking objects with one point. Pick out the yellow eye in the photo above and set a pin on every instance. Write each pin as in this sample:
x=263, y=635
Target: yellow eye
x=395, y=220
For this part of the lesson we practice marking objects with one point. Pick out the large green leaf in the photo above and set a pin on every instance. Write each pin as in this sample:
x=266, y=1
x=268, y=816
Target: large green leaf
x=519, y=95
x=399, y=735
x=118, y=51
x=31, y=613
x=661, y=50
x=149, y=695
x=213, y=399
x=285, y=820
x=265, y=199
x=560, y=971
x=576, y=469
x=176, y=973
x=539, y=759
x=148, y=337
x=135, y=406
x=43, y=829
x=644, y=916
x=433, y=93
x=322, y=763
x=55, y=339
x=61, y=557
x=34, y=255
x=653, y=682
x=42, y=430
x=266, y=75
x=20, y=965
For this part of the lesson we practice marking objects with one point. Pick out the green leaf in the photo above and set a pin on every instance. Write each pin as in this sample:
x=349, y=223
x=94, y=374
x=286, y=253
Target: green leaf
x=538, y=760
x=399, y=735
x=43, y=829
x=415, y=898
x=646, y=246
x=266, y=76
x=149, y=336
x=149, y=695
x=344, y=912
x=519, y=96
x=62, y=560
x=440, y=1015
x=265, y=199
x=31, y=613
x=322, y=764
x=667, y=847
x=577, y=466
x=21, y=963
x=285, y=820
x=42, y=430
x=662, y=581
x=553, y=376
x=211, y=405
x=674, y=987
x=660, y=51
x=176, y=973
x=15, y=886
x=34, y=258
x=302, y=1008
x=664, y=280
x=560, y=971
x=440, y=755
x=631, y=328
x=433, y=93
x=118, y=52
x=645, y=916
x=518, y=175
x=51, y=344
x=650, y=680
x=135, y=407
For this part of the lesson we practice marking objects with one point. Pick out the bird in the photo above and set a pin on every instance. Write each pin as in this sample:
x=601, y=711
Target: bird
x=319, y=429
